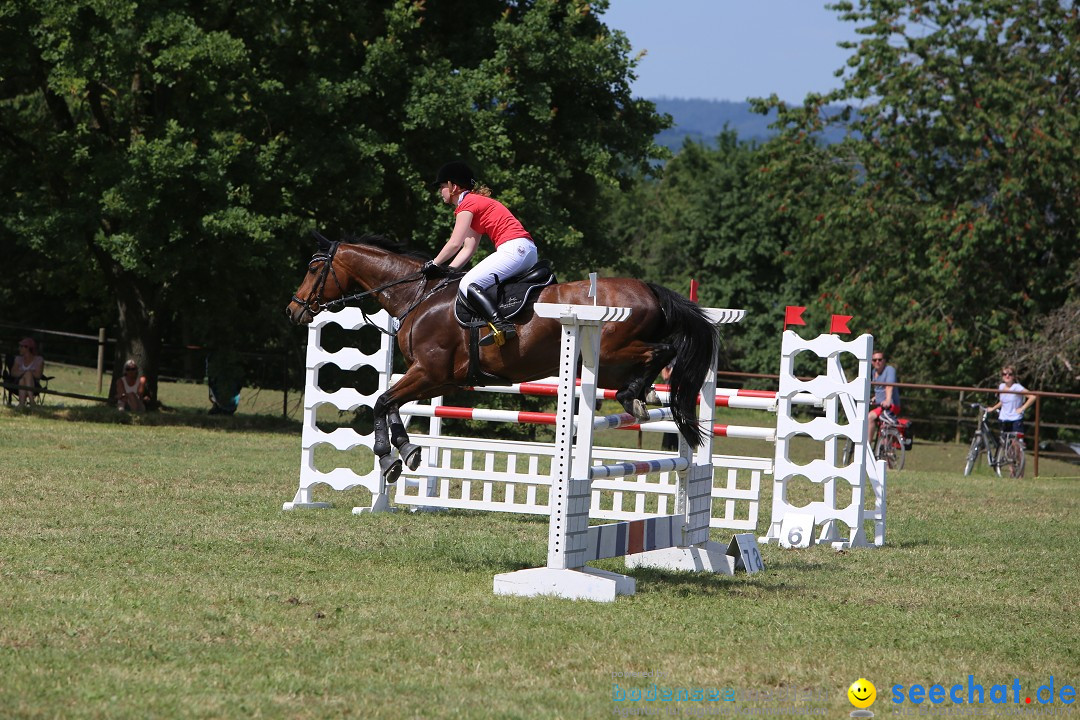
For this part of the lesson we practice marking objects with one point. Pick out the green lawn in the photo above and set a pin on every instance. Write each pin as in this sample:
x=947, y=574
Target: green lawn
x=148, y=571
x=189, y=398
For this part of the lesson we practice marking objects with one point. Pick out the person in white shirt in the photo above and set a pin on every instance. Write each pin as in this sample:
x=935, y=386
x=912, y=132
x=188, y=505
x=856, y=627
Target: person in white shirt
x=1013, y=400
x=131, y=393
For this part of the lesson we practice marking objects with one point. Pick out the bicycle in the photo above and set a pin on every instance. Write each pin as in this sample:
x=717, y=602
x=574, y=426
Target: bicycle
x=1003, y=452
x=889, y=446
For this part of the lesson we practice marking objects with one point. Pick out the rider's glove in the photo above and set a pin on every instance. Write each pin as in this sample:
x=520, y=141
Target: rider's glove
x=431, y=270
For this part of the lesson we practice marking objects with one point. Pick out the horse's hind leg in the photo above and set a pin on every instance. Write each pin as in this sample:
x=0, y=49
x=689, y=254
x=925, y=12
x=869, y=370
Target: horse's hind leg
x=632, y=395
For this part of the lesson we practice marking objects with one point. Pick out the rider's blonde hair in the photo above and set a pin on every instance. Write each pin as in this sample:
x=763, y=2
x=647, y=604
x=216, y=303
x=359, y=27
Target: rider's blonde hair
x=481, y=189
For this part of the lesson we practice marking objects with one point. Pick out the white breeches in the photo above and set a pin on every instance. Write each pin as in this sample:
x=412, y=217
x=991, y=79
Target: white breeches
x=510, y=258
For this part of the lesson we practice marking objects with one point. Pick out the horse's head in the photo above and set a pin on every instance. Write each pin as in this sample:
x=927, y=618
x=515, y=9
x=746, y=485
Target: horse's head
x=385, y=269
x=319, y=286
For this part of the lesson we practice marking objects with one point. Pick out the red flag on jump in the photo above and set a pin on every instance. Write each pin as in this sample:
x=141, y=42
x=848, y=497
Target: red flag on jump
x=793, y=316
x=693, y=289
x=839, y=324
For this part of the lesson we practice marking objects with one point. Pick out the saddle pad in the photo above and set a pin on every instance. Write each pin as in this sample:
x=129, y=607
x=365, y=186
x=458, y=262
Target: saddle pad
x=511, y=298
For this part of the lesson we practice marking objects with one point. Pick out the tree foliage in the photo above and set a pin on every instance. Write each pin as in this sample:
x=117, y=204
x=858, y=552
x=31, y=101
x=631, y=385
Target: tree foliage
x=708, y=217
x=947, y=221
x=169, y=157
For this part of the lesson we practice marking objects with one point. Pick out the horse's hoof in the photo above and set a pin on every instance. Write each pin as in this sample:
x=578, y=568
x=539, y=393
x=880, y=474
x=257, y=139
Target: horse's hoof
x=391, y=469
x=410, y=454
x=640, y=411
x=652, y=398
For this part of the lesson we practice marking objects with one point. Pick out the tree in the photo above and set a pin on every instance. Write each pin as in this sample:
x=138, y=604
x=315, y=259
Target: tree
x=948, y=218
x=1051, y=355
x=176, y=153
x=709, y=218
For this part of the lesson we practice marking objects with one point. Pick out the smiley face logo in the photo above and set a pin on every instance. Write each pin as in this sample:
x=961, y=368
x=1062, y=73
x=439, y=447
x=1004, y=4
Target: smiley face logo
x=862, y=693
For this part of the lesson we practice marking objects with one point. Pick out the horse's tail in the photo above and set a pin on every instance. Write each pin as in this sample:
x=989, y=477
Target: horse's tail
x=695, y=340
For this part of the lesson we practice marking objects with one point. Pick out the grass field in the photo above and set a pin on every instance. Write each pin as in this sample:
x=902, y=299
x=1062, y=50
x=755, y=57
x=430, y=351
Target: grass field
x=148, y=571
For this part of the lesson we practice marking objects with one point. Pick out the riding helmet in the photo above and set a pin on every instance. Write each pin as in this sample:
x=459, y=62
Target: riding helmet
x=456, y=172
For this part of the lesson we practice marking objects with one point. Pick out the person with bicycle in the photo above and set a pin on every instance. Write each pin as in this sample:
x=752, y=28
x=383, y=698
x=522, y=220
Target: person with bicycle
x=886, y=397
x=1004, y=452
x=1013, y=400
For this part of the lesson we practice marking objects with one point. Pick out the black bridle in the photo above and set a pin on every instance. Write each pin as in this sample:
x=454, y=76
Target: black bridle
x=314, y=304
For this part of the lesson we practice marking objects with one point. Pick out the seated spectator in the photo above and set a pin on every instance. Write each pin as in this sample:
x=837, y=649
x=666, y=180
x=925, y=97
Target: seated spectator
x=27, y=370
x=131, y=393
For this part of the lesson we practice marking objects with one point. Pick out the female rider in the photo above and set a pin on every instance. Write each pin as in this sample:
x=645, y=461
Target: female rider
x=478, y=214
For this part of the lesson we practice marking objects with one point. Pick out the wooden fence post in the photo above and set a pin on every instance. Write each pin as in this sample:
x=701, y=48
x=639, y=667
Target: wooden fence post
x=959, y=416
x=100, y=357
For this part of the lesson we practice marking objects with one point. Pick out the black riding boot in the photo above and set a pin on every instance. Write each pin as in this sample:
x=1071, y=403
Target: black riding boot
x=502, y=329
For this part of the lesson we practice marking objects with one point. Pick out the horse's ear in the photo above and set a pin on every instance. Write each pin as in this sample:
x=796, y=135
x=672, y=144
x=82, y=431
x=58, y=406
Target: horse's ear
x=324, y=244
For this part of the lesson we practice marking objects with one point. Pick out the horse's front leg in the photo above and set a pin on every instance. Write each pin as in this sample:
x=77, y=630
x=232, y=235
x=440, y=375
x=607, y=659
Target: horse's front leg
x=390, y=467
x=415, y=384
x=408, y=451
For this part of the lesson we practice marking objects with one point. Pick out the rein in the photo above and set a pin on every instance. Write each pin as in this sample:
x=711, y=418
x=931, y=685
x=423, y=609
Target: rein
x=349, y=298
x=314, y=304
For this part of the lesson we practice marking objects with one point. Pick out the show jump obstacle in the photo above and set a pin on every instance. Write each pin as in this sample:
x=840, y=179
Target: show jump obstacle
x=679, y=541
x=625, y=484
x=846, y=403
x=478, y=473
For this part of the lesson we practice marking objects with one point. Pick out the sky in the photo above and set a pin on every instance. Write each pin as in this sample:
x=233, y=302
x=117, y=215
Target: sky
x=732, y=49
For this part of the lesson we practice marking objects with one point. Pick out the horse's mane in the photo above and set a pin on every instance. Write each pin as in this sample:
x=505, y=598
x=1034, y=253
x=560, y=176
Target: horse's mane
x=381, y=241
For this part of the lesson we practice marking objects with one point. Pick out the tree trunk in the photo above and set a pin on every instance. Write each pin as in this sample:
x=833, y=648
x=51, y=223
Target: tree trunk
x=139, y=336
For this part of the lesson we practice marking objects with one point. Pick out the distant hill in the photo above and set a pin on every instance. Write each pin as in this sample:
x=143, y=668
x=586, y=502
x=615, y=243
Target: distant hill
x=703, y=120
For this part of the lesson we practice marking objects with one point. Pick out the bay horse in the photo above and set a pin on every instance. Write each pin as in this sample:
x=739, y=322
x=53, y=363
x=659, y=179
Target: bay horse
x=662, y=326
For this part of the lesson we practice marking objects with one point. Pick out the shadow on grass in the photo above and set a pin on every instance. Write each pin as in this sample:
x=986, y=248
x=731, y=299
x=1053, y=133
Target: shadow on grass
x=528, y=519
x=173, y=417
x=497, y=553
x=685, y=583
x=703, y=583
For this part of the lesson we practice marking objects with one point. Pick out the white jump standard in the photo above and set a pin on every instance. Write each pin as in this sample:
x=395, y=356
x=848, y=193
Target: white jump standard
x=677, y=541
x=846, y=405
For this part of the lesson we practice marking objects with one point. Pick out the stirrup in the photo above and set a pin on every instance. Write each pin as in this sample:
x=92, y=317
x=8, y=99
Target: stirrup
x=497, y=335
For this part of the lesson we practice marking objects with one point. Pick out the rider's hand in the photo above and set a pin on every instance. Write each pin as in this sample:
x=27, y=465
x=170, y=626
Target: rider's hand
x=431, y=270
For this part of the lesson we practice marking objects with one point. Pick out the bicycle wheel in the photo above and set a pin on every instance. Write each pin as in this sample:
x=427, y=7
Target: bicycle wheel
x=883, y=450
x=879, y=447
x=1014, y=458
x=896, y=445
x=973, y=451
x=847, y=453
x=973, y=454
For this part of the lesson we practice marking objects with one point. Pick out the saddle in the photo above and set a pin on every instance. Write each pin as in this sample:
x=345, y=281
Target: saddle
x=512, y=296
